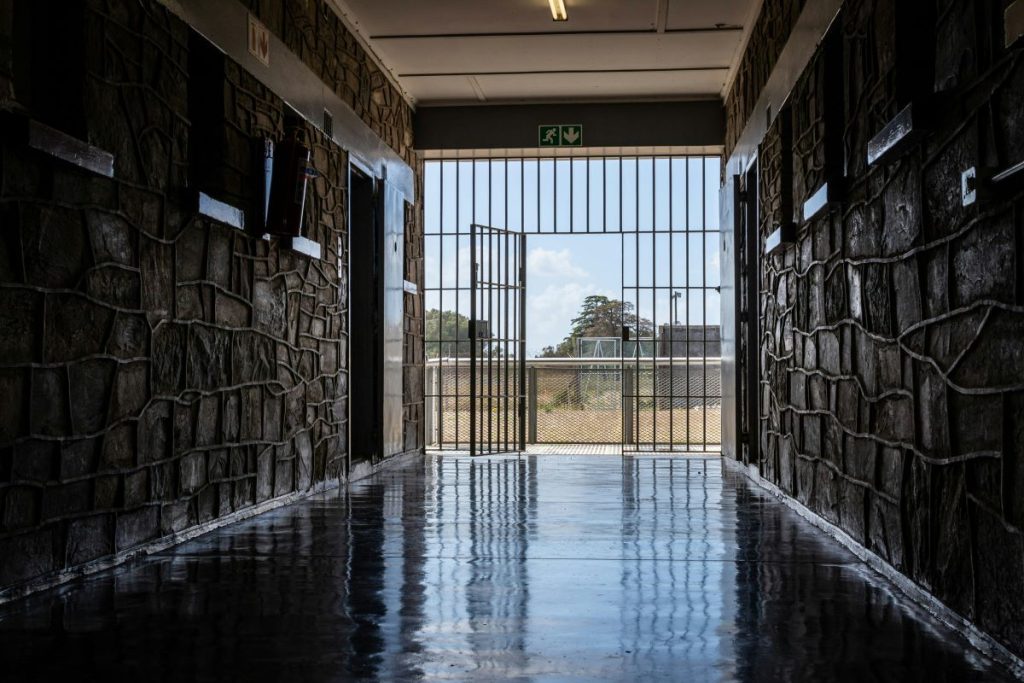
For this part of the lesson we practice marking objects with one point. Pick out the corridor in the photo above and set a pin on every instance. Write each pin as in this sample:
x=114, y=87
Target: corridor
x=538, y=568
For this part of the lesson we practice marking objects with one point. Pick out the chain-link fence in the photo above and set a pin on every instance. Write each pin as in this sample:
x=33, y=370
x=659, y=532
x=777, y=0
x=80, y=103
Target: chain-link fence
x=658, y=402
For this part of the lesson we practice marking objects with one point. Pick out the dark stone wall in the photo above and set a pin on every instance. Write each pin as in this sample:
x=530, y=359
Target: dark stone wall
x=767, y=38
x=892, y=385
x=6, y=54
x=413, y=364
x=314, y=32
x=161, y=370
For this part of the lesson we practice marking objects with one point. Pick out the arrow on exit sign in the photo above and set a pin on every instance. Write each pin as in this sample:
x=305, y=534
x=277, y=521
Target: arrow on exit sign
x=560, y=135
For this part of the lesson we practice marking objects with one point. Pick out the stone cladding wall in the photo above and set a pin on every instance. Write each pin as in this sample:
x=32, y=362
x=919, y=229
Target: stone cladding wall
x=767, y=38
x=892, y=386
x=160, y=370
x=317, y=35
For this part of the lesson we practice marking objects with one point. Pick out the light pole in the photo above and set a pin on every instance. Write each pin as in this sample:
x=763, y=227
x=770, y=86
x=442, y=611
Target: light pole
x=675, y=307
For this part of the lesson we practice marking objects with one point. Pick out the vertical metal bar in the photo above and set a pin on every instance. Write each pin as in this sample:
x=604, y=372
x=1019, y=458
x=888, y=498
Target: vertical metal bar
x=440, y=407
x=437, y=388
x=487, y=268
x=654, y=300
x=636, y=278
x=604, y=194
x=704, y=291
x=475, y=307
x=488, y=274
x=686, y=249
x=624, y=394
x=434, y=415
x=532, y=406
x=587, y=161
x=554, y=193
x=493, y=328
x=572, y=196
x=672, y=322
x=506, y=280
x=521, y=265
x=625, y=397
x=629, y=385
x=521, y=261
x=537, y=228
x=458, y=291
x=472, y=339
x=491, y=323
x=704, y=298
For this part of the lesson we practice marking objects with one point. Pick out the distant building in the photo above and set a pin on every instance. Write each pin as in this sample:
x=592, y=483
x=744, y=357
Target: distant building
x=690, y=341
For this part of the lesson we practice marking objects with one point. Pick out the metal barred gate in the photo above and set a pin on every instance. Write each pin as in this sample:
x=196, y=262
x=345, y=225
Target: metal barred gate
x=655, y=387
x=497, y=326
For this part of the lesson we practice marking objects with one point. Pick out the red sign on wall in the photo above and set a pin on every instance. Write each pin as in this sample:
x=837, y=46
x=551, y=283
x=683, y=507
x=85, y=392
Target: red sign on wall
x=259, y=41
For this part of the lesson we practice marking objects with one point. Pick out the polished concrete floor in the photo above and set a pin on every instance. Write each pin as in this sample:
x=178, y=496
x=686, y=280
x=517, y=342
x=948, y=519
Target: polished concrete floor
x=542, y=568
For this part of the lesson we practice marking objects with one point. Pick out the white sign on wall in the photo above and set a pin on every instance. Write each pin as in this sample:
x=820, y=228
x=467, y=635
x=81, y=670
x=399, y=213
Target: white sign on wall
x=259, y=41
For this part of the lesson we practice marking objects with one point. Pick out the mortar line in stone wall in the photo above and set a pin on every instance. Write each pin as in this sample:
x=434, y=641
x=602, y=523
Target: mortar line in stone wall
x=931, y=460
x=898, y=340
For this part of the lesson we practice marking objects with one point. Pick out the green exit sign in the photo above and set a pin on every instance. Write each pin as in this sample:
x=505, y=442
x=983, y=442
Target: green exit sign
x=560, y=135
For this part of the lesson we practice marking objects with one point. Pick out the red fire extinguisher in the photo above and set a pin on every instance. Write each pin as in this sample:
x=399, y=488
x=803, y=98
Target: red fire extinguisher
x=292, y=172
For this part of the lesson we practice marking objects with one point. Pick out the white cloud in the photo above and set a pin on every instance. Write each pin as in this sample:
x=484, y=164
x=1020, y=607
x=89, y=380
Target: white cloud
x=432, y=264
x=550, y=263
x=550, y=311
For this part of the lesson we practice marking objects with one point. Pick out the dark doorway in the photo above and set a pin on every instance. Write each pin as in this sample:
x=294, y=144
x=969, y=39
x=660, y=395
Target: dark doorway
x=366, y=241
x=748, y=247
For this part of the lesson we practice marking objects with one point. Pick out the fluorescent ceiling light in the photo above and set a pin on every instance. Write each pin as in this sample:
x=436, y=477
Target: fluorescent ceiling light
x=558, y=12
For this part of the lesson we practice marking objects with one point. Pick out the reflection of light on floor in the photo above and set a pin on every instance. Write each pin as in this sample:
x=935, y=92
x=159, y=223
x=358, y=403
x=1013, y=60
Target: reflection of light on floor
x=528, y=567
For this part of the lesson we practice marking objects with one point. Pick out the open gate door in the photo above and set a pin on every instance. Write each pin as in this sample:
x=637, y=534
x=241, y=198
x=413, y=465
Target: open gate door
x=497, y=419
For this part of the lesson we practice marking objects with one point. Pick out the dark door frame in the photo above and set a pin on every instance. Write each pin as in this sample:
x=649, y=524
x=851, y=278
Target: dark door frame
x=747, y=210
x=360, y=174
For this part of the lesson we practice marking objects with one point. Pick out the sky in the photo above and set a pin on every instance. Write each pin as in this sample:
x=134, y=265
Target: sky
x=563, y=269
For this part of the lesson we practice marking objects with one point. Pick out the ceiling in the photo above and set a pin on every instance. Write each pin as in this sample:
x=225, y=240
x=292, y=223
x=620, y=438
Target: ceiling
x=490, y=51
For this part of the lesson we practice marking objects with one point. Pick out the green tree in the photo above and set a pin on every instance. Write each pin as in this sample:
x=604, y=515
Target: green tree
x=599, y=316
x=446, y=334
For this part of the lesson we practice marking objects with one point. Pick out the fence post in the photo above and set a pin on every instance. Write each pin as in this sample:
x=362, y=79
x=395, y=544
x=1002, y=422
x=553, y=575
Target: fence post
x=531, y=406
x=627, y=405
x=428, y=409
x=438, y=384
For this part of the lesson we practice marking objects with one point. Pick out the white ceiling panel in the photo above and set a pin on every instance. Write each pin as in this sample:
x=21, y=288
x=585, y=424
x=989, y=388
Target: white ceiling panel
x=431, y=89
x=418, y=17
x=600, y=86
x=510, y=50
x=546, y=53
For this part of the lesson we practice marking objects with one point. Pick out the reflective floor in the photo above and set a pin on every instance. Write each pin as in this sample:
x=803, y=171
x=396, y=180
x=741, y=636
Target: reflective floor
x=544, y=568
